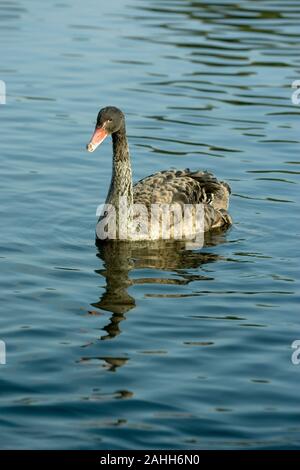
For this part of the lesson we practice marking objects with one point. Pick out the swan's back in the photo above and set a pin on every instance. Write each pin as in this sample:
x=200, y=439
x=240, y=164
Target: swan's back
x=187, y=187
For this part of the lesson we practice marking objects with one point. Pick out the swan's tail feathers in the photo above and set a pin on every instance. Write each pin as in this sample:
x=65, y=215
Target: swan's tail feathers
x=226, y=217
x=213, y=191
x=216, y=218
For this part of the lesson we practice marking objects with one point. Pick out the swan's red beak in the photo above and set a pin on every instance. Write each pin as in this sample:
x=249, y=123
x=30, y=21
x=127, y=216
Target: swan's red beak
x=97, y=138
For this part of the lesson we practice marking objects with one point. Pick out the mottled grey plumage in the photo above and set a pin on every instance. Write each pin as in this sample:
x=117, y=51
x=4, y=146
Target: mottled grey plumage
x=187, y=187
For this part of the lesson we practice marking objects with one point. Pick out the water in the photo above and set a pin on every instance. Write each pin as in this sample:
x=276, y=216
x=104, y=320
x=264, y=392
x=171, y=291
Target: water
x=159, y=348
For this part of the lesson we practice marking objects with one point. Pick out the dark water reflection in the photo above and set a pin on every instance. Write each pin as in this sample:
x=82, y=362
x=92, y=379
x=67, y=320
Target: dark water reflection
x=120, y=258
x=127, y=346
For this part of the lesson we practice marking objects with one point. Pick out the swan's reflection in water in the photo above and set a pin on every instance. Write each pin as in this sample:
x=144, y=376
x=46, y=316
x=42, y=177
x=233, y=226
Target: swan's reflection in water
x=120, y=258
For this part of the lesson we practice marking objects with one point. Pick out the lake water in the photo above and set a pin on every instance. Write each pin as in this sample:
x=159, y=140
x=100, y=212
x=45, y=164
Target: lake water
x=136, y=347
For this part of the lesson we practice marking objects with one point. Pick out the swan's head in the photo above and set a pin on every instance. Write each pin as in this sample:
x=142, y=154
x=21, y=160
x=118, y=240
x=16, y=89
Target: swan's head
x=109, y=120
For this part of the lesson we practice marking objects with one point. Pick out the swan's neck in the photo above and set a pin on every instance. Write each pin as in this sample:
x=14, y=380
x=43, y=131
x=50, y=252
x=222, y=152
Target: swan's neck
x=121, y=181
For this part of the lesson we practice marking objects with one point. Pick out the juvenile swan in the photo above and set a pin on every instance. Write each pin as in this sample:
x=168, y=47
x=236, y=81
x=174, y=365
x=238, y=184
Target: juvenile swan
x=167, y=187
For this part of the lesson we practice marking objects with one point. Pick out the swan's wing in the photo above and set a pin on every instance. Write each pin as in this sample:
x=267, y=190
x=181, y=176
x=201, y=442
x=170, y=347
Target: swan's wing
x=187, y=187
x=182, y=186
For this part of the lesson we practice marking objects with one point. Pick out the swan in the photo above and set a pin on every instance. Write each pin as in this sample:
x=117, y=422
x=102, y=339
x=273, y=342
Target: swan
x=168, y=187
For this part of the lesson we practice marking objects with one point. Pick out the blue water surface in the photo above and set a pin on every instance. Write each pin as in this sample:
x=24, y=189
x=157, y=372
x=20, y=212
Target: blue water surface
x=135, y=347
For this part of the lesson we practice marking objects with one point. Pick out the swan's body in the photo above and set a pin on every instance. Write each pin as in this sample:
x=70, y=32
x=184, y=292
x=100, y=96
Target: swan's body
x=170, y=187
x=187, y=187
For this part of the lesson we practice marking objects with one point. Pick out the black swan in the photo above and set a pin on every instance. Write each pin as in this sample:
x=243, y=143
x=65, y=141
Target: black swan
x=169, y=187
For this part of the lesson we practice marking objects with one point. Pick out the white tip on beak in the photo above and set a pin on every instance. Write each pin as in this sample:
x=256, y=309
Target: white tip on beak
x=91, y=147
